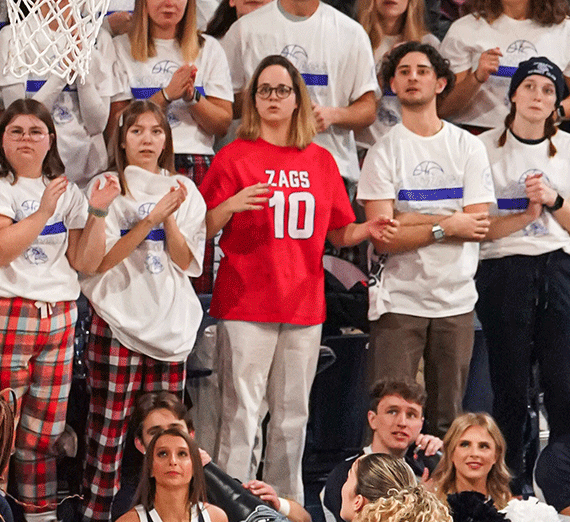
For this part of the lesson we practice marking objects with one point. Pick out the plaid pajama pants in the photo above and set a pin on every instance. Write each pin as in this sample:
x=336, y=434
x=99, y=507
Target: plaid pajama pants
x=36, y=360
x=195, y=166
x=116, y=375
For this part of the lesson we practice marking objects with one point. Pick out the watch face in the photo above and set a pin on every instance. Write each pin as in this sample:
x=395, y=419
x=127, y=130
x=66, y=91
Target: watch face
x=438, y=232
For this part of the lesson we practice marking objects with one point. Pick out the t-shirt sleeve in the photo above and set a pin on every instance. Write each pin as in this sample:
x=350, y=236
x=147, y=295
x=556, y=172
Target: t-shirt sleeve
x=455, y=48
x=376, y=179
x=76, y=215
x=362, y=60
x=231, y=44
x=120, y=68
x=478, y=184
x=191, y=220
x=5, y=44
x=6, y=208
x=216, y=78
x=220, y=182
x=103, y=65
x=341, y=212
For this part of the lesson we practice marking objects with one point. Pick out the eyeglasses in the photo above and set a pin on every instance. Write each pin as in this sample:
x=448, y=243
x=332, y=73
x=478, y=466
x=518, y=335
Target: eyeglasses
x=281, y=91
x=17, y=134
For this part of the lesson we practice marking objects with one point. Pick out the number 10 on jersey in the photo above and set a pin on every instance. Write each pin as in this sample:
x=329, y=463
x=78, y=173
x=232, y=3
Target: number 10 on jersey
x=290, y=207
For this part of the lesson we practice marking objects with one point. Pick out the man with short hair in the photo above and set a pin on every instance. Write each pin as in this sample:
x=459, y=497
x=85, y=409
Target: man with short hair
x=435, y=179
x=395, y=416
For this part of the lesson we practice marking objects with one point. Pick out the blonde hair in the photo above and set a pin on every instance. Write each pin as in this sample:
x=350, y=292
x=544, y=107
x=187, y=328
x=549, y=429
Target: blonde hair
x=302, y=129
x=142, y=42
x=414, y=504
x=498, y=479
x=378, y=473
x=413, y=26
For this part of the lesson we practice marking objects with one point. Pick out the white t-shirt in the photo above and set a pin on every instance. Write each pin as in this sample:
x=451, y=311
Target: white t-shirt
x=510, y=166
x=42, y=272
x=518, y=40
x=83, y=155
x=143, y=79
x=147, y=300
x=331, y=51
x=388, y=110
x=155, y=517
x=439, y=174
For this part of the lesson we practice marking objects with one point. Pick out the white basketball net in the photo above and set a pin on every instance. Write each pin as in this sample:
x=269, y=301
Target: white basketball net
x=54, y=36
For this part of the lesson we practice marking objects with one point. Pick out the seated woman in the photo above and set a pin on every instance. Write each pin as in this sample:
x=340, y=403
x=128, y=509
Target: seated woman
x=414, y=503
x=172, y=484
x=472, y=477
x=370, y=478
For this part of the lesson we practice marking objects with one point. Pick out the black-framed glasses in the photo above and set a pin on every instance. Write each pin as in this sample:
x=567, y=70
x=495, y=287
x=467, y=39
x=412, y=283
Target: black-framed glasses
x=281, y=91
x=17, y=134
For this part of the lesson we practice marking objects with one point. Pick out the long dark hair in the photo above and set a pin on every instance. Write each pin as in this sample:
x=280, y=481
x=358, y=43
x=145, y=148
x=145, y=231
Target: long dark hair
x=127, y=118
x=7, y=425
x=147, y=488
x=52, y=166
x=545, y=12
x=223, y=18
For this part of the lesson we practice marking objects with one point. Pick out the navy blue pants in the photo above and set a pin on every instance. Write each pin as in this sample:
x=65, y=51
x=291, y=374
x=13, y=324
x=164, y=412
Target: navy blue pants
x=524, y=307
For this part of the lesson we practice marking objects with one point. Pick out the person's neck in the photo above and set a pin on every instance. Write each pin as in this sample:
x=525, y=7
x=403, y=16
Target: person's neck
x=422, y=120
x=300, y=7
x=517, y=9
x=163, y=33
x=378, y=447
x=480, y=485
x=172, y=504
x=391, y=26
x=527, y=130
x=27, y=171
x=276, y=135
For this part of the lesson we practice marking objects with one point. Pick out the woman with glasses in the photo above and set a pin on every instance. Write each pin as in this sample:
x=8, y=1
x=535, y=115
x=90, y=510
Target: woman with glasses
x=277, y=197
x=47, y=231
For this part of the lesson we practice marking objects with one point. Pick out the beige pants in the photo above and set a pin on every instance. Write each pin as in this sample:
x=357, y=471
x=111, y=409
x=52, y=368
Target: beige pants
x=278, y=362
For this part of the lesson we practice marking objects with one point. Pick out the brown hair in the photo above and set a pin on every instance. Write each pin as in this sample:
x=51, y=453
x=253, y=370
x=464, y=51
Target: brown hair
x=162, y=400
x=147, y=486
x=499, y=477
x=545, y=12
x=302, y=129
x=140, y=35
x=7, y=426
x=550, y=130
x=52, y=166
x=377, y=473
x=413, y=26
x=409, y=390
x=413, y=503
x=223, y=18
x=127, y=118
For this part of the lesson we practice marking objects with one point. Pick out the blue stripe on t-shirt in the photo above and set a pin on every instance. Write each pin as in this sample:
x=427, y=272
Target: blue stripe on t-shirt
x=430, y=194
x=142, y=93
x=316, y=79
x=36, y=85
x=156, y=234
x=55, y=228
x=512, y=203
x=505, y=71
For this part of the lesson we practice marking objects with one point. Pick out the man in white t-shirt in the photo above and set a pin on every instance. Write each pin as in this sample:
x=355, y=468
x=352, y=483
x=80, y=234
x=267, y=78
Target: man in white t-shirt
x=434, y=178
x=334, y=56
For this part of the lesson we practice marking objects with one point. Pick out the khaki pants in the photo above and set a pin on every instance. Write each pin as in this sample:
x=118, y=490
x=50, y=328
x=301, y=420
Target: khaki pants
x=397, y=344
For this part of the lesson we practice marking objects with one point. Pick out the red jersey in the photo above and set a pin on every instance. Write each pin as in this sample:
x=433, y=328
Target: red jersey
x=272, y=269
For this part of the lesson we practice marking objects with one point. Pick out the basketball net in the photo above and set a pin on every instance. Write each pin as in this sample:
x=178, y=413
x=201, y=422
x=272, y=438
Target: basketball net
x=53, y=36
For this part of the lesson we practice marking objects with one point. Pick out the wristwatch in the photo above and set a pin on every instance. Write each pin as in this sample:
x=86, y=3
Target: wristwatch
x=438, y=232
x=561, y=112
x=195, y=97
x=557, y=204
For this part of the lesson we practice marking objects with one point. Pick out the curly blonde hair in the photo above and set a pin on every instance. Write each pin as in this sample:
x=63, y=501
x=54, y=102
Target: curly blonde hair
x=498, y=478
x=414, y=504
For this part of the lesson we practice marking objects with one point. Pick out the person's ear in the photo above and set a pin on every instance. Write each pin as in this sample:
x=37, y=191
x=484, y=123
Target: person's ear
x=440, y=85
x=359, y=503
x=139, y=445
x=371, y=419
